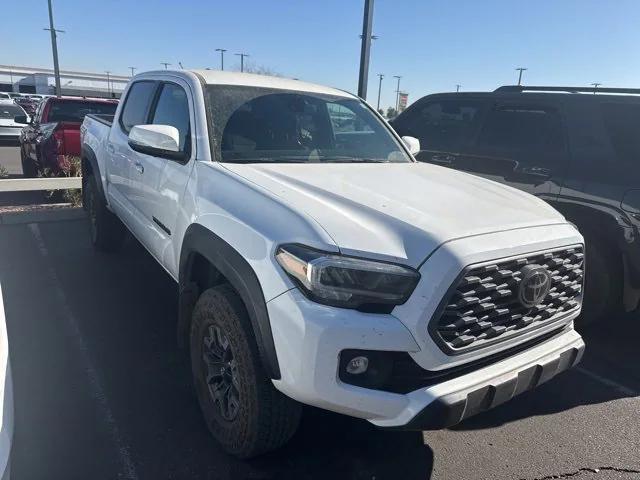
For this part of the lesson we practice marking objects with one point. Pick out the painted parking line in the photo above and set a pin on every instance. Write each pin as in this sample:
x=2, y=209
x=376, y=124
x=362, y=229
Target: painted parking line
x=95, y=384
x=630, y=392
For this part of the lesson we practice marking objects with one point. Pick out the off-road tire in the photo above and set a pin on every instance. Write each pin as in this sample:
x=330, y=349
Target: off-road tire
x=266, y=419
x=603, y=282
x=29, y=170
x=106, y=230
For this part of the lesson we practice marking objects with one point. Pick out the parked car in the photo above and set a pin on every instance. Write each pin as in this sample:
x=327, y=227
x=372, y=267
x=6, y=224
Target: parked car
x=575, y=150
x=317, y=263
x=9, y=128
x=6, y=398
x=4, y=96
x=28, y=104
x=54, y=133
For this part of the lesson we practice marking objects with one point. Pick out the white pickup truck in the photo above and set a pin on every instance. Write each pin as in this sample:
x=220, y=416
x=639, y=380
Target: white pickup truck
x=319, y=264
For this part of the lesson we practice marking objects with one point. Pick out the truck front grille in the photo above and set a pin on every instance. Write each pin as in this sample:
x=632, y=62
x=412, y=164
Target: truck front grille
x=487, y=306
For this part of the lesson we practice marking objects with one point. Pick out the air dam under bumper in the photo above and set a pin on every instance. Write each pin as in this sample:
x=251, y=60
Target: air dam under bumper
x=309, y=338
x=453, y=407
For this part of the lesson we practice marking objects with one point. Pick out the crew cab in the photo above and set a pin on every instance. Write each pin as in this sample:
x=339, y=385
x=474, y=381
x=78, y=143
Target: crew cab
x=53, y=133
x=576, y=148
x=318, y=263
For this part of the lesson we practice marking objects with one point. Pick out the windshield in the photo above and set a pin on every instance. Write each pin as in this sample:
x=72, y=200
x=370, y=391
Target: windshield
x=70, y=111
x=10, y=111
x=260, y=125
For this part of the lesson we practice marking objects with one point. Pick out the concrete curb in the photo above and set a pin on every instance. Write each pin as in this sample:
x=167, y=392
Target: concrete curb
x=44, y=215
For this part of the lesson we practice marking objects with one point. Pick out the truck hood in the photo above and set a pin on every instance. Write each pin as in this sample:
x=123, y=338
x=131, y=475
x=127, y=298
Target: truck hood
x=399, y=212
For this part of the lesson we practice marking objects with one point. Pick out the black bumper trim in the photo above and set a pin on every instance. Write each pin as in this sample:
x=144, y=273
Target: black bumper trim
x=453, y=408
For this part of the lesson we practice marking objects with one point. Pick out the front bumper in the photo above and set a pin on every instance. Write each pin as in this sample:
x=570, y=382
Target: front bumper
x=309, y=338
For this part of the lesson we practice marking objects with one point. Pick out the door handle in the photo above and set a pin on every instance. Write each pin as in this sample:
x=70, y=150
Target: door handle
x=139, y=167
x=538, y=171
x=444, y=158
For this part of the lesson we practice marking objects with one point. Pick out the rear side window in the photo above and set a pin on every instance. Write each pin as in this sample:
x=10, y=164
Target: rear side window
x=440, y=125
x=515, y=128
x=622, y=121
x=173, y=109
x=75, y=111
x=136, y=107
x=8, y=112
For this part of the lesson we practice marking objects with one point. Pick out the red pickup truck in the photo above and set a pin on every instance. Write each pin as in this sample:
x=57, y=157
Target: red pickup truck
x=54, y=133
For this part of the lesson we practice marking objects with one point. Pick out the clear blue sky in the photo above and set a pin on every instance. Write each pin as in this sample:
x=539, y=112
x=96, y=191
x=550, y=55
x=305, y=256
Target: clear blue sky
x=433, y=44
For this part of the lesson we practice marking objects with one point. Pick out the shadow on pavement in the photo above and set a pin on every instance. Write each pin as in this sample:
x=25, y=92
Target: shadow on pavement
x=608, y=371
x=125, y=307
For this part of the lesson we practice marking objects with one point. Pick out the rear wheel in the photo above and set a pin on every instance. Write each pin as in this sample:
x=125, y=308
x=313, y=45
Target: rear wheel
x=29, y=169
x=242, y=408
x=107, y=231
x=603, y=282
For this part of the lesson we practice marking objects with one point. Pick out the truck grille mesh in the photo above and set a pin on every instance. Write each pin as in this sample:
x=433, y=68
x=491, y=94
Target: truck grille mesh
x=484, y=307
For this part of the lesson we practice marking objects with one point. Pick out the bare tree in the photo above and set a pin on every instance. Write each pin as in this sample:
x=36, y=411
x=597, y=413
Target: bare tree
x=260, y=70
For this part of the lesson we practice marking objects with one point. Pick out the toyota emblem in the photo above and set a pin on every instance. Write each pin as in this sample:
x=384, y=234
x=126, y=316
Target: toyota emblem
x=534, y=286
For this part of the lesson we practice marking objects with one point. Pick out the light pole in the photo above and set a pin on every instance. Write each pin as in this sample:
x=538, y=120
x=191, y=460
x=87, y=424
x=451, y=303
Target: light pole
x=166, y=64
x=242, y=55
x=381, y=76
x=133, y=70
x=221, y=50
x=520, y=69
x=108, y=72
x=54, y=48
x=365, y=49
x=595, y=87
x=397, y=91
x=458, y=87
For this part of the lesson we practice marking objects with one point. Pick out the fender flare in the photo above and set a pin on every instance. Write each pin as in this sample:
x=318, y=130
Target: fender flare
x=241, y=276
x=88, y=156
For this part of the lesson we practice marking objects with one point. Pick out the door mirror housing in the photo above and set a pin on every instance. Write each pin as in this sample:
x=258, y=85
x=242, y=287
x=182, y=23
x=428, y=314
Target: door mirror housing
x=412, y=143
x=23, y=119
x=156, y=140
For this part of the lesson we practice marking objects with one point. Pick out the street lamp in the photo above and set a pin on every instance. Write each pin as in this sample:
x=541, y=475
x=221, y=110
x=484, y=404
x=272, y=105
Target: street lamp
x=133, y=70
x=221, y=50
x=242, y=55
x=108, y=72
x=166, y=64
x=397, y=91
x=458, y=87
x=520, y=69
x=595, y=87
x=381, y=76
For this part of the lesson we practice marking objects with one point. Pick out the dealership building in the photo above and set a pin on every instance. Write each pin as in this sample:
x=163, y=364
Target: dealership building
x=42, y=81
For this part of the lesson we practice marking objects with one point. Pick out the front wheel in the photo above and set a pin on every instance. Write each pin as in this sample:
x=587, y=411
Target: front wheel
x=603, y=282
x=243, y=410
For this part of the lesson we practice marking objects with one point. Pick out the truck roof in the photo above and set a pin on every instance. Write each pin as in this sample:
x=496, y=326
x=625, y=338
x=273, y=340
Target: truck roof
x=217, y=77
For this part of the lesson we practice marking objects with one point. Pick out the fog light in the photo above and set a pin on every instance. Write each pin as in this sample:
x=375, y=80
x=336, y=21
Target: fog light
x=357, y=365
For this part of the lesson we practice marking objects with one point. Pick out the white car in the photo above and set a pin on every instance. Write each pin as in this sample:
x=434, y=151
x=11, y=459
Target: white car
x=318, y=263
x=6, y=399
x=9, y=128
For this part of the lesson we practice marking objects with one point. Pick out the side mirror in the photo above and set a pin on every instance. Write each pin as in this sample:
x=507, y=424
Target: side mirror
x=24, y=119
x=412, y=143
x=156, y=140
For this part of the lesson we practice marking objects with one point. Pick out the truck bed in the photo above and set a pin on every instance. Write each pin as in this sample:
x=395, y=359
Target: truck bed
x=105, y=119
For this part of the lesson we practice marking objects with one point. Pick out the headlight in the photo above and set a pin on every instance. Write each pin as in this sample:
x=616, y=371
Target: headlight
x=347, y=282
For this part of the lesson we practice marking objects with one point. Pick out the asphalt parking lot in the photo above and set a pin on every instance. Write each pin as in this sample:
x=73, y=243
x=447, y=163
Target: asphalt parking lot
x=102, y=391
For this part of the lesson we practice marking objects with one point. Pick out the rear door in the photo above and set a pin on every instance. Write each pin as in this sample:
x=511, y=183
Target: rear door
x=445, y=127
x=523, y=144
x=120, y=157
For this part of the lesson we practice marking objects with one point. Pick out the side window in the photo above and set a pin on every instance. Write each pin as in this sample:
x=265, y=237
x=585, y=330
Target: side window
x=136, y=106
x=172, y=109
x=621, y=121
x=522, y=128
x=344, y=120
x=441, y=125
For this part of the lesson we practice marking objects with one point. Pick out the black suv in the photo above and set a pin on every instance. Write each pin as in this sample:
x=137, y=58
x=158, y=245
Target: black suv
x=576, y=148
